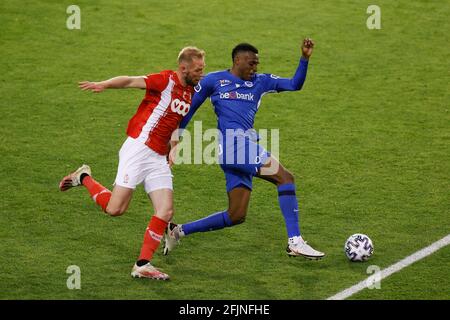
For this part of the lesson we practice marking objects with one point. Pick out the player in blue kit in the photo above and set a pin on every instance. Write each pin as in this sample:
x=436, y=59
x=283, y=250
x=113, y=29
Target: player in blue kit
x=236, y=95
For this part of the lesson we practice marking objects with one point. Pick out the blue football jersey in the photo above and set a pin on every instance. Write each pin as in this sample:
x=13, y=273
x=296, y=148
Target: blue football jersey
x=235, y=100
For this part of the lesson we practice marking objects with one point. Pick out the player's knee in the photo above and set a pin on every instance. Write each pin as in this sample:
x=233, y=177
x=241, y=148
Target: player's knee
x=287, y=177
x=238, y=221
x=165, y=215
x=238, y=217
x=115, y=212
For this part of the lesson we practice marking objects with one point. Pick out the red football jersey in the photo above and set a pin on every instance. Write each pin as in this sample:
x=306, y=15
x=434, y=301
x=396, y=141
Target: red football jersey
x=165, y=104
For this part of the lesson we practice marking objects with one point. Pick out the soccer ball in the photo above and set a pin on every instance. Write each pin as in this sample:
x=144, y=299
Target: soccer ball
x=358, y=247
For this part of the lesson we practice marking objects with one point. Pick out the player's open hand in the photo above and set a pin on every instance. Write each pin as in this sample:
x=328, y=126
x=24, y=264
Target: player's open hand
x=307, y=48
x=92, y=86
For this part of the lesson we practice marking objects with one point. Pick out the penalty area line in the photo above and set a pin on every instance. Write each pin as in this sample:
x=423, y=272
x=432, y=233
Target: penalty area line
x=344, y=294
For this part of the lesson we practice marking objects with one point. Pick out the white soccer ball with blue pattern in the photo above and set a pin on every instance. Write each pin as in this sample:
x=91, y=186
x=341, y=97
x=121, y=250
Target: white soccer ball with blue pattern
x=358, y=247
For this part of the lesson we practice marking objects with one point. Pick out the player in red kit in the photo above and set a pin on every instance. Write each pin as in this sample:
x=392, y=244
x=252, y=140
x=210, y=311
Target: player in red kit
x=143, y=156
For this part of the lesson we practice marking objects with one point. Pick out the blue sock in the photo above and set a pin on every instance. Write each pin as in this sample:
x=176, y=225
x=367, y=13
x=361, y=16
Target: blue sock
x=289, y=208
x=218, y=220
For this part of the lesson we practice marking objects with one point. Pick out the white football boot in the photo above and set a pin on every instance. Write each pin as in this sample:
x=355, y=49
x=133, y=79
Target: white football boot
x=298, y=247
x=172, y=237
x=73, y=179
x=148, y=271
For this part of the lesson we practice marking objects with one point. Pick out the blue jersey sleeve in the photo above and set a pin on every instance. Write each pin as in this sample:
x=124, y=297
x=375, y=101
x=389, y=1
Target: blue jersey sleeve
x=276, y=84
x=203, y=90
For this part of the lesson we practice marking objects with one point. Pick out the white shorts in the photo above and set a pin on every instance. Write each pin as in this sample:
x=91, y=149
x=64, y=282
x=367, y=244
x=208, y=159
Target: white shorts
x=140, y=164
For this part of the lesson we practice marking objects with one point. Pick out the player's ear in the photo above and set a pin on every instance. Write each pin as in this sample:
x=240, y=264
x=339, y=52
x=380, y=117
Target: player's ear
x=236, y=60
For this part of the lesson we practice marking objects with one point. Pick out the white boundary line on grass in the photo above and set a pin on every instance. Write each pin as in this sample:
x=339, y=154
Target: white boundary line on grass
x=394, y=268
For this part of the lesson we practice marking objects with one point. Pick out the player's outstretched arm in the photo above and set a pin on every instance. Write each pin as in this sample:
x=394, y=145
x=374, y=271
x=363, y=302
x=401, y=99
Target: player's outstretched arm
x=114, y=83
x=299, y=77
x=297, y=81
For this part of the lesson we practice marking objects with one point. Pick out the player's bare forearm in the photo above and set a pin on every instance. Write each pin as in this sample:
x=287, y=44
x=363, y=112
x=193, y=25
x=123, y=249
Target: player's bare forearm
x=172, y=153
x=114, y=83
x=125, y=82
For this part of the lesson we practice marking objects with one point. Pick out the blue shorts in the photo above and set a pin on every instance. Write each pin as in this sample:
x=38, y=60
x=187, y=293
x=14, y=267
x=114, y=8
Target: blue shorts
x=240, y=160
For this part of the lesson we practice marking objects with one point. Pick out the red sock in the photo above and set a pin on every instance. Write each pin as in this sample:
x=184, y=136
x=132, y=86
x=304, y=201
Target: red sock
x=152, y=238
x=99, y=193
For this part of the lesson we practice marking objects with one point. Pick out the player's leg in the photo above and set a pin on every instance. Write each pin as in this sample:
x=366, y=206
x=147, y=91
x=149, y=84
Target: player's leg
x=238, y=176
x=113, y=203
x=275, y=173
x=239, y=186
x=162, y=200
x=129, y=175
x=158, y=185
x=119, y=201
x=238, y=199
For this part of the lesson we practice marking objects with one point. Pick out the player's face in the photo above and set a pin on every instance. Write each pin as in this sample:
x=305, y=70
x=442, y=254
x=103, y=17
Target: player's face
x=247, y=64
x=194, y=71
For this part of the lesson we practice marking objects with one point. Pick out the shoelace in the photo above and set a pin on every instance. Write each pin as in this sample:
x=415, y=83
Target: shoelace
x=299, y=243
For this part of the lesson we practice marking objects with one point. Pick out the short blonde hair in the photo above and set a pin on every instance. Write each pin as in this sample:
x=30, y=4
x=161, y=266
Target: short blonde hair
x=187, y=54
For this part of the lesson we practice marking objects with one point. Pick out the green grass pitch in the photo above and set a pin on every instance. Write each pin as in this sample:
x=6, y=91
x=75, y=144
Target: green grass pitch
x=368, y=140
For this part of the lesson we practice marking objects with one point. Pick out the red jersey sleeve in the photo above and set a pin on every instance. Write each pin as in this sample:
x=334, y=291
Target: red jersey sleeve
x=156, y=81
